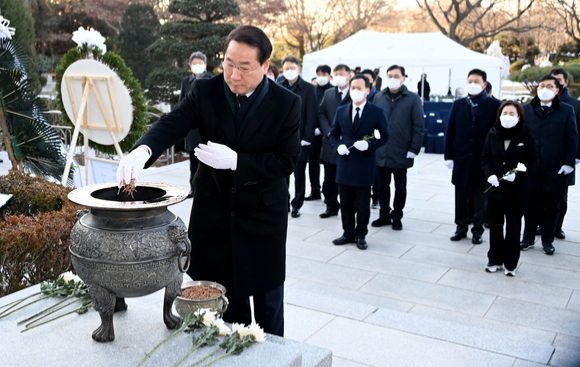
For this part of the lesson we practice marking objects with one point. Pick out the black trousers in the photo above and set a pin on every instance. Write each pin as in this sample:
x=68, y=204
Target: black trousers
x=268, y=311
x=563, y=210
x=314, y=164
x=330, y=187
x=375, y=189
x=462, y=198
x=355, y=209
x=299, y=184
x=505, y=250
x=548, y=205
x=193, y=163
x=384, y=180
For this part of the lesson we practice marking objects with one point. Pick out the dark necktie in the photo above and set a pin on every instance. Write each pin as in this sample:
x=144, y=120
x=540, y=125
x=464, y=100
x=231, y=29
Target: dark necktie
x=242, y=99
x=339, y=96
x=356, y=118
x=544, y=109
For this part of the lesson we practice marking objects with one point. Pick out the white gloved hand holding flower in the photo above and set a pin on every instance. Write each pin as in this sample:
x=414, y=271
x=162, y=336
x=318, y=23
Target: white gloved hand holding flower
x=511, y=177
x=361, y=145
x=493, y=181
x=217, y=156
x=343, y=150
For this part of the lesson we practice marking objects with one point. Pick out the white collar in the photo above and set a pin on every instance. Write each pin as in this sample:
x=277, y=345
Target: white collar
x=249, y=93
x=549, y=104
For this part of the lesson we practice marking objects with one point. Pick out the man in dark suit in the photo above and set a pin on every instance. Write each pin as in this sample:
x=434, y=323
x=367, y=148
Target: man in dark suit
x=308, y=122
x=249, y=129
x=372, y=77
x=198, y=64
x=333, y=98
x=353, y=137
x=469, y=123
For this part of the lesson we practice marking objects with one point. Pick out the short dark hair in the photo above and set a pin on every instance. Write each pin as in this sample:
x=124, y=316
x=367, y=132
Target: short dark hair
x=393, y=67
x=560, y=71
x=363, y=77
x=253, y=37
x=274, y=69
x=518, y=106
x=324, y=68
x=479, y=72
x=551, y=77
x=342, y=67
x=488, y=87
x=369, y=72
x=292, y=59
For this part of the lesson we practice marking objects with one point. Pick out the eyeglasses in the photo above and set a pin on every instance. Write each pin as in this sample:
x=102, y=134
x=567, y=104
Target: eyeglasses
x=230, y=66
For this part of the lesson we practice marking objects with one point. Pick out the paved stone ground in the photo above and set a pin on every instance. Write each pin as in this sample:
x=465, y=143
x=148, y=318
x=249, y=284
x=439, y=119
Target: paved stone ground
x=414, y=298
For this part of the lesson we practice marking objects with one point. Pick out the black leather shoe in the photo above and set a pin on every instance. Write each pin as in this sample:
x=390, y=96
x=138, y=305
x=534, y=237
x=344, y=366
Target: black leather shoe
x=458, y=236
x=361, y=244
x=328, y=214
x=560, y=234
x=548, y=248
x=397, y=225
x=342, y=240
x=295, y=213
x=190, y=195
x=313, y=196
x=524, y=246
x=476, y=239
x=381, y=222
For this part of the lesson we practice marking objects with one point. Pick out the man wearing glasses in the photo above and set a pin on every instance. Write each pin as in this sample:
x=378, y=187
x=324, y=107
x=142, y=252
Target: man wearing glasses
x=250, y=142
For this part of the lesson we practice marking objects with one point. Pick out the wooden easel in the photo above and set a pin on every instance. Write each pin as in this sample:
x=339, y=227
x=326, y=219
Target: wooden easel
x=82, y=120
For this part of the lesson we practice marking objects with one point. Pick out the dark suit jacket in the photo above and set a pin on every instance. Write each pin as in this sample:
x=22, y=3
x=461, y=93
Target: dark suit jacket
x=326, y=112
x=309, y=112
x=239, y=218
x=357, y=168
x=567, y=98
x=192, y=139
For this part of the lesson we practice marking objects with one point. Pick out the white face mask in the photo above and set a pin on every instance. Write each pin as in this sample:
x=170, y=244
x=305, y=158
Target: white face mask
x=393, y=84
x=271, y=77
x=290, y=75
x=474, y=89
x=357, y=96
x=322, y=80
x=508, y=121
x=340, y=81
x=546, y=95
x=198, y=69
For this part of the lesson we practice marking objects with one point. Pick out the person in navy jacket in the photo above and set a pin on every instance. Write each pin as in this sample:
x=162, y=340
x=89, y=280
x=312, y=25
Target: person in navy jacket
x=353, y=126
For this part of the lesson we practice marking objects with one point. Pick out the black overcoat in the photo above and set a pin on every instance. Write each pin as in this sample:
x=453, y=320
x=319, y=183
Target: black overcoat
x=239, y=218
x=326, y=111
x=567, y=98
x=496, y=160
x=192, y=139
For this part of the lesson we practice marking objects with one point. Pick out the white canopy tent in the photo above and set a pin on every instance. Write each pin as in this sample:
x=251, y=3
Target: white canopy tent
x=445, y=61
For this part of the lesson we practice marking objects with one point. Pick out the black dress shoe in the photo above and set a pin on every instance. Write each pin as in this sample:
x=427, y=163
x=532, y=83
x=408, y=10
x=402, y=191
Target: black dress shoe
x=458, y=236
x=361, y=244
x=560, y=234
x=190, y=195
x=548, y=248
x=477, y=240
x=342, y=240
x=397, y=225
x=381, y=222
x=328, y=214
x=313, y=196
x=295, y=213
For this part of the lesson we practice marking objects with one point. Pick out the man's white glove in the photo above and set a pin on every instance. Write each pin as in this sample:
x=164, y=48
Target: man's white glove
x=361, y=145
x=304, y=143
x=317, y=132
x=449, y=164
x=511, y=177
x=217, y=156
x=565, y=170
x=131, y=164
x=493, y=181
x=342, y=150
x=577, y=161
x=411, y=155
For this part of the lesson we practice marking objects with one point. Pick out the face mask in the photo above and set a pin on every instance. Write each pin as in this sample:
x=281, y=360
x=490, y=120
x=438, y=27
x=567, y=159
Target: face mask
x=198, y=69
x=474, y=89
x=393, y=84
x=508, y=121
x=271, y=77
x=340, y=81
x=357, y=96
x=322, y=80
x=290, y=74
x=546, y=95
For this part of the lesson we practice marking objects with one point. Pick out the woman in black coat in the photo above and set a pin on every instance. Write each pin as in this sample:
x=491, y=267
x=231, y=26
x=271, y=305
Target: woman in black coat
x=508, y=144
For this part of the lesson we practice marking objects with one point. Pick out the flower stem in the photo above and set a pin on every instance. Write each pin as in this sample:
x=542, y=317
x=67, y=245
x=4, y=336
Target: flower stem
x=41, y=312
x=217, y=359
x=148, y=355
x=4, y=314
x=48, y=314
x=193, y=349
x=20, y=300
x=46, y=322
x=206, y=357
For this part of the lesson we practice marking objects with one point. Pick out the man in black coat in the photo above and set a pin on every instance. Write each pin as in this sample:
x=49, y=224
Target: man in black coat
x=198, y=64
x=353, y=137
x=565, y=97
x=333, y=98
x=249, y=128
x=308, y=122
x=469, y=123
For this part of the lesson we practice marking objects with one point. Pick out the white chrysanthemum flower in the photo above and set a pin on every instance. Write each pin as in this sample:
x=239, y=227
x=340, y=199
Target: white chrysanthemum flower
x=208, y=316
x=90, y=37
x=521, y=167
x=68, y=276
x=222, y=327
x=377, y=134
x=240, y=328
x=257, y=332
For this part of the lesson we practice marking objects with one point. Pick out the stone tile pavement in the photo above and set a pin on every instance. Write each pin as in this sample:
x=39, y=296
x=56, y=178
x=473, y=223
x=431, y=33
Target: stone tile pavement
x=414, y=298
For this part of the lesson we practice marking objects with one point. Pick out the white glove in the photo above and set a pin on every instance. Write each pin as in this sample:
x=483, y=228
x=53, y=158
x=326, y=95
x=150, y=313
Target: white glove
x=361, y=145
x=304, y=143
x=342, y=150
x=317, y=132
x=577, y=161
x=493, y=181
x=449, y=164
x=511, y=177
x=131, y=164
x=411, y=155
x=217, y=156
x=565, y=170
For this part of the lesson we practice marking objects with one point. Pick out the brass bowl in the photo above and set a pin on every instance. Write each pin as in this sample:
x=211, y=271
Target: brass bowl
x=185, y=306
